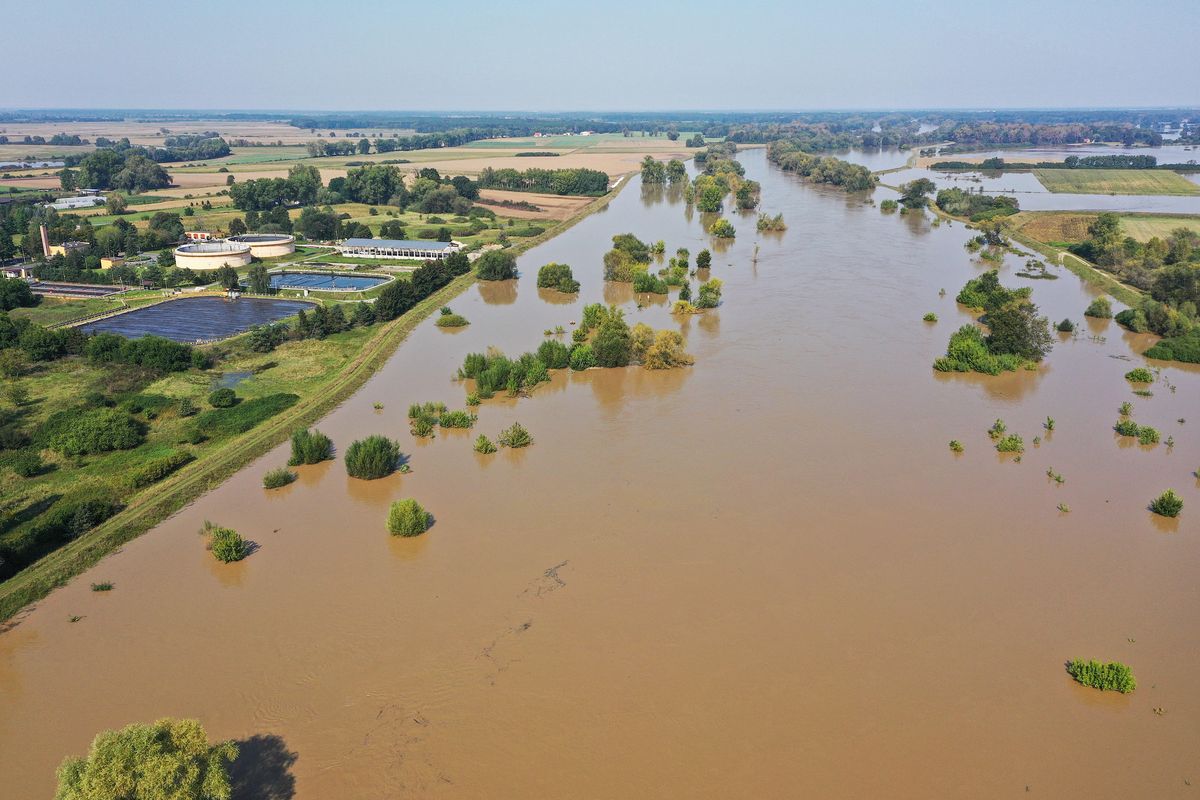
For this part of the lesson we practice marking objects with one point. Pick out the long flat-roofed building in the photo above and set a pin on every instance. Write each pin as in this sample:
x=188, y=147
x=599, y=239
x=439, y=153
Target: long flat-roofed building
x=397, y=248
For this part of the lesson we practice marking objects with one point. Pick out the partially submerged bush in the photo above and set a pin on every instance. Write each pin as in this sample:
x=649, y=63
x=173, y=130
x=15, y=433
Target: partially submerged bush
x=310, y=447
x=557, y=276
x=666, y=352
x=373, y=457
x=452, y=321
x=1126, y=427
x=1066, y=326
x=554, y=354
x=1113, y=676
x=278, y=477
x=515, y=436
x=956, y=446
x=226, y=544
x=709, y=294
x=407, y=518
x=1012, y=443
x=723, y=229
x=582, y=358
x=484, y=445
x=457, y=419
x=930, y=317
x=1147, y=435
x=1139, y=375
x=1100, y=308
x=1167, y=504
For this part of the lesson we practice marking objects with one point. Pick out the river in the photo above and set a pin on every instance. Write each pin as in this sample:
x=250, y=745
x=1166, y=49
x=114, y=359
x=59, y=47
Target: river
x=764, y=575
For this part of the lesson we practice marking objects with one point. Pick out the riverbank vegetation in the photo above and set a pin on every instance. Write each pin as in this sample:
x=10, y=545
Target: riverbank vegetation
x=1111, y=676
x=1017, y=336
x=448, y=319
x=767, y=223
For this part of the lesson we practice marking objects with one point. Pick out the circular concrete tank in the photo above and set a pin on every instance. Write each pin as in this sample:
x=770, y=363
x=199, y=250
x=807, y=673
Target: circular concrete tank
x=201, y=256
x=266, y=245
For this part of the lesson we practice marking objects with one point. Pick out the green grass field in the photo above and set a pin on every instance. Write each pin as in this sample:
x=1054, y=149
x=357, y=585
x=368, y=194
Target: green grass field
x=1115, y=181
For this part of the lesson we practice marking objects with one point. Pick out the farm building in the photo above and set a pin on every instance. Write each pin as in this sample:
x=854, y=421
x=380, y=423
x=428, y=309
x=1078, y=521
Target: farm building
x=199, y=236
x=397, y=248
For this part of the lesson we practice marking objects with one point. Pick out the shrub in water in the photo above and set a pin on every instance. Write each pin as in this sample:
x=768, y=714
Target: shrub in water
x=1113, y=676
x=457, y=419
x=1147, y=435
x=310, y=447
x=472, y=399
x=1012, y=443
x=280, y=476
x=554, y=354
x=1167, y=504
x=1126, y=427
x=557, y=276
x=1126, y=409
x=484, y=445
x=407, y=518
x=373, y=457
x=582, y=358
x=1139, y=375
x=997, y=430
x=930, y=317
x=515, y=436
x=1100, y=308
x=222, y=398
x=225, y=543
x=956, y=445
x=423, y=426
x=1066, y=326
x=452, y=321
x=104, y=586
x=722, y=229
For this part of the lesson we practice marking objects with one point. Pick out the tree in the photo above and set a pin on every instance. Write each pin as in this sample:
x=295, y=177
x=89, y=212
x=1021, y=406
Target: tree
x=15, y=293
x=67, y=179
x=153, y=274
x=236, y=227
x=653, y=171
x=496, y=265
x=913, y=193
x=613, y=345
x=259, y=279
x=116, y=204
x=364, y=146
x=1016, y=328
x=168, y=760
x=304, y=182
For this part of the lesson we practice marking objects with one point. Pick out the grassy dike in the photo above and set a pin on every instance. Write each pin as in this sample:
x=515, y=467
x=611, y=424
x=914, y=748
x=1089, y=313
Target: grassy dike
x=160, y=501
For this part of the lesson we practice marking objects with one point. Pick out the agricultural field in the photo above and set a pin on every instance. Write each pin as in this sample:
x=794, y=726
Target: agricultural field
x=1070, y=227
x=1115, y=181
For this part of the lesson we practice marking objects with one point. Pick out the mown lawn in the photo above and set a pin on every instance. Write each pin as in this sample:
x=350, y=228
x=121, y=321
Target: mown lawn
x=1115, y=181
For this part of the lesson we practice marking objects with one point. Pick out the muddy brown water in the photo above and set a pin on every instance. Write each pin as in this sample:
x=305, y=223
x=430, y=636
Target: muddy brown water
x=762, y=576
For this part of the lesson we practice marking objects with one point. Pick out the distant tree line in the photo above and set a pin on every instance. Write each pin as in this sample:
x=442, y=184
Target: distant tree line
x=790, y=156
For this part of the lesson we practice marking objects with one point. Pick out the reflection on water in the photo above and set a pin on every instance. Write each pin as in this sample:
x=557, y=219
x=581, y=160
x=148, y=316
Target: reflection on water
x=556, y=297
x=774, y=547
x=498, y=293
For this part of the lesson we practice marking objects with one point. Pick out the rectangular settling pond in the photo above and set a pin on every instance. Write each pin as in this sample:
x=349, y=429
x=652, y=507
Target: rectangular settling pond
x=325, y=281
x=191, y=319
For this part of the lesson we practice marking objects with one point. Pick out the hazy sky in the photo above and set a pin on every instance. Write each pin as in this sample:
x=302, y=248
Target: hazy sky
x=601, y=55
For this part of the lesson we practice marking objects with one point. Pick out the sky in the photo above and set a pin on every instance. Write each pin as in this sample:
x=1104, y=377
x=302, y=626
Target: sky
x=567, y=55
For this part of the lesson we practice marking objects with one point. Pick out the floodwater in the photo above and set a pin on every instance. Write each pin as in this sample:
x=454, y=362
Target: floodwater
x=191, y=319
x=762, y=576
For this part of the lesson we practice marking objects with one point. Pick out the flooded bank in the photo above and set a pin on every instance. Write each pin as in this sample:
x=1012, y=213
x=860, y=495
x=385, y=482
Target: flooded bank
x=765, y=574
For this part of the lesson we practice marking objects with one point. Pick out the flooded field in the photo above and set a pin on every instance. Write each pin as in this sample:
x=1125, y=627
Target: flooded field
x=762, y=576
x=191, y=319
